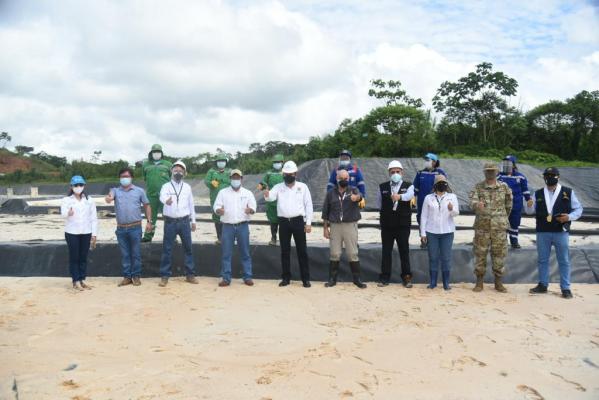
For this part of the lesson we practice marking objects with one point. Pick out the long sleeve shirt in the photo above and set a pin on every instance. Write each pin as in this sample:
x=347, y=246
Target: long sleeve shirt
x=235, y=202
x=576, y=205
x=84, y=219
x=407, y=196
x=292, y=201
x=182, y=205
x=436, y=217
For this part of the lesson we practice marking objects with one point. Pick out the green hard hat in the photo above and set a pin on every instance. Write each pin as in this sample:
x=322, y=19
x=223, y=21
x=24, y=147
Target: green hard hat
x=221, y=156
x=278, y=157
x=156, y=147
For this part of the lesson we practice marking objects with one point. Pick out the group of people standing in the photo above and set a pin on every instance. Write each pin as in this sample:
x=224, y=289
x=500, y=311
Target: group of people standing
x=497, y=201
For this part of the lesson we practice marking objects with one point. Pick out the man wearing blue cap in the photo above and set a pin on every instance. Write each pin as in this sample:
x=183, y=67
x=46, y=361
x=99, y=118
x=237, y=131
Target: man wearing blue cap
x=424, y=182
x=356, y=180
x=517, y=182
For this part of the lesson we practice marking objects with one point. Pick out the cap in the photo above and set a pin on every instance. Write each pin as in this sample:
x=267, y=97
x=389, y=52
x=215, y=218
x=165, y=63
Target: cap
x=395, y=164
x=221, y=157
x=77, y=179
x=345, y=152
x=289, y=167
x=236, y=171
x=440, y=177
x=491, y=166
x=431, y=156
x=179, y=163
x=156, y=147
x=551, y=171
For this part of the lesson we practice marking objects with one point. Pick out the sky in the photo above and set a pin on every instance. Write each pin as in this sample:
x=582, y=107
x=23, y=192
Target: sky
x=118, y=75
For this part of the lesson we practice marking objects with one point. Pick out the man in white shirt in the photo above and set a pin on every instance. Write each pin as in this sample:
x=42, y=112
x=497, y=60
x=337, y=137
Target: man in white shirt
x=179, y=219
x=235, y=205
x=294, y=209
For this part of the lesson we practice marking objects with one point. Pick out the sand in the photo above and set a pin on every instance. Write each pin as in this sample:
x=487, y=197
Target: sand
x=265, y=342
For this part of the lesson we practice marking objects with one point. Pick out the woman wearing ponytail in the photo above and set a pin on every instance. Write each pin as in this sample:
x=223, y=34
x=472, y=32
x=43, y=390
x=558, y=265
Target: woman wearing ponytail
x=437, y=229
x=81, y=229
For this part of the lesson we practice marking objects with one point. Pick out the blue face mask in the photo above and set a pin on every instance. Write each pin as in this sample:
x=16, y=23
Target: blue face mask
x=221, y=164
x=235, y=183
x=125, y=181
x=396, y=178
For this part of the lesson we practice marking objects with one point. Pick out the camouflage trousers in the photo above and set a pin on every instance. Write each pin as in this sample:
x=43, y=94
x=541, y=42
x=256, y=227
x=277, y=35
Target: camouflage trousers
x=494, y=240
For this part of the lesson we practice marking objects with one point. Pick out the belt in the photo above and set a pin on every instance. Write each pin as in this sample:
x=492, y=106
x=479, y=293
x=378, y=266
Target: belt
x=292, y=218
x=170, y=219
x=128, y=225
x=237, y=224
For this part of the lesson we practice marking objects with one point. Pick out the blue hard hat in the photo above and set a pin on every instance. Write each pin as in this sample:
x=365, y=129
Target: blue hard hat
x=77, y=179
x=432, y=156
x=345, y=153
x=513, y=159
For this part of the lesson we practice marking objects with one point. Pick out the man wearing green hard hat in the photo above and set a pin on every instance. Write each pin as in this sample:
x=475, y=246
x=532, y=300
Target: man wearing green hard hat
x=217, y=179
x=271, y=178
x=156, y=172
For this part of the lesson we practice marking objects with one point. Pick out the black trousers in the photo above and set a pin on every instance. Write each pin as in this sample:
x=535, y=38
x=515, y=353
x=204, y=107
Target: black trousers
x=288, y=228
x=78, y=249
x=273, y=230
x=389, y=236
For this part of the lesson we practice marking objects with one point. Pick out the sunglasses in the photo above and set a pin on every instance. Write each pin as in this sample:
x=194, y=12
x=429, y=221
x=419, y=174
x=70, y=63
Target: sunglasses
x=78, y=185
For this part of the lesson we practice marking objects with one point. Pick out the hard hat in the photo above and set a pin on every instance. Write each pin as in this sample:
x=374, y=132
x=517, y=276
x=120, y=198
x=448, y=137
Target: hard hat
x=221, y=157
x=513, y=159
x=179, y=163
x=395, y=164
x=289, y=167
x=278, y=157
x=345, y=153
x=156, y=147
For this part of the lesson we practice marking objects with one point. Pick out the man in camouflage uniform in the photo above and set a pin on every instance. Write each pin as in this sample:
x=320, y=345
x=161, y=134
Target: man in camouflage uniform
x=156, y=171
x=271, y=178
x=217, y=179
x=491, y=201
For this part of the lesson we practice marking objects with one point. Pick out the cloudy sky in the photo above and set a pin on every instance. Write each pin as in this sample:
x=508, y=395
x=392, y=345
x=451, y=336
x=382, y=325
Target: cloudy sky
x=117, y=76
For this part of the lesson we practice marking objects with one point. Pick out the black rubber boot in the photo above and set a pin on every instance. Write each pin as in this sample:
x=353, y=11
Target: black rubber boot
x=333, y=272
x=355, y=271
x=434, y=276
x=445, y=275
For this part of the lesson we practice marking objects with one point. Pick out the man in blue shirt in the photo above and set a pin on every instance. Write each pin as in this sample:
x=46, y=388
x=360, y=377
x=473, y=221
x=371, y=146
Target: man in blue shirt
x=127, y=201
x=555, y=207
x=355, y=173
x=424, y=181
x=517, y=182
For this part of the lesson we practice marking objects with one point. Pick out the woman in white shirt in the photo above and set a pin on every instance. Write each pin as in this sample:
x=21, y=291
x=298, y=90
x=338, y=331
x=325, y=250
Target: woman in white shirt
x=80, y=229
x=437, y=229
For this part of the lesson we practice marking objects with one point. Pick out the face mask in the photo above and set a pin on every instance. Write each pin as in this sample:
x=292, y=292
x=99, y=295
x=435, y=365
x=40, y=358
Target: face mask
x=343, y=183
x=235, y=183
x=125, y=181
x=396, y=178
x=344, y=163
x=178, y=176
x=289, y=178
x=221, y=164
x=507, y=167
x=490, y=174
x=551, y=180
x=156, y=156
x=428, y=164
x=277, y=165
x=441, y=187
x=78, y=189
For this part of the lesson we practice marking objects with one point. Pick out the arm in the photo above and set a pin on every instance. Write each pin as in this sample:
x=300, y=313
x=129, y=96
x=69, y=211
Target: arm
x=252, y=202
x=332, y=180
x=94, y=218
x=325, y=209
x=524, y=188
x=509, y=200
x=64, y=207
x=192, y=207
x=423, y=218
x=163, y=194
x=308, y=206
x=474, y=198
x=272, y=194
x=532, y=209
x=361, y=185
x=416, y=184
x=456, y=207
x=576, y=208
x=409, y=194
x=218, y=203
x=208, y=179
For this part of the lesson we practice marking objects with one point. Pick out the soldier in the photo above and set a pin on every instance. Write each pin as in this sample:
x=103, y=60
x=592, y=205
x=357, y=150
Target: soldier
x=156, y=172
x=217, y=179
x=492, y=203
x=517, y=182
x=271, y=178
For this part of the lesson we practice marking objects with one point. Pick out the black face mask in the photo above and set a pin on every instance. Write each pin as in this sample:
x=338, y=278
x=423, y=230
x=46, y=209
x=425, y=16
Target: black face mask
x=343, y=183
x=289, y=178
x=178, y=176
x=441, y=187
x=551, y=180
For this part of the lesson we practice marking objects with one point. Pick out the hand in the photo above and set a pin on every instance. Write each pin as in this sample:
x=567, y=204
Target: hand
x=423, y=239
x=71, y=212
x=169, y=201
x=214, y=183
x=260, y=187
x=221, y=211
x=480, y=205
x=93, y=243
x=355, y=197
x=109, y=197
x=396, y=197
x=562, y=218
x=149, y=226
x=265, y=192
x=326, y=231
x=193, y=226
x=307, y=228
x=249, y=211
x=450, y=206
x=530, y=203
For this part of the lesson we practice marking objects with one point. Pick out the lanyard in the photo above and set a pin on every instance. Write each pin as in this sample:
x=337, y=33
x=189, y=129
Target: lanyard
x=439, y=200
x=175, y=189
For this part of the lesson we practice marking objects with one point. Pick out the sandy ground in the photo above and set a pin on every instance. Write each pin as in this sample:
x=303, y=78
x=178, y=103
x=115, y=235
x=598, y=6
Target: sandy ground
x=200, y=341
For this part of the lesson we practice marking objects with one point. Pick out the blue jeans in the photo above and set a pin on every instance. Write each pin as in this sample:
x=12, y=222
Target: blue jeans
x=562, y=252
x=130, y=244
x=172, y=228
x=240, y=232
x=439, y=250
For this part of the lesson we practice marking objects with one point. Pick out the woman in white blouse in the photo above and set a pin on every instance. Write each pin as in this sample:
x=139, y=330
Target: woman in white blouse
x=81, y=229
x=437, y=229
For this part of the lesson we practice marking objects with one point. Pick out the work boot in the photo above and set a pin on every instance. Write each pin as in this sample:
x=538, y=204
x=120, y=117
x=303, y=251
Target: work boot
x=445, y=275
x=434, y=276
x=249, y=282
x=499, y=286
x=125, y=282
x=479, y=284
x=284, y=282
x=163, y=282
x=224, y=283
x=191, y=279
x=566, y=293
x=407, y=281
x=306, y=284
x=516, y=246
x=136, y=281
x=355, y=270
x=333, y=271
x=540, y=288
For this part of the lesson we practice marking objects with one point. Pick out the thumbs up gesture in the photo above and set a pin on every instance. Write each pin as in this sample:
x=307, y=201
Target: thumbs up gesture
x=169, y=201
x=450, y=206
x=71, y=212
x=109, y=197
x=221, y=211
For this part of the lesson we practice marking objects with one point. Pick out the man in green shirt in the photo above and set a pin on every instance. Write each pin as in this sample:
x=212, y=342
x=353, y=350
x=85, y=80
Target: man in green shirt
x=156, y=172
x=217, y=179
x=271, y=178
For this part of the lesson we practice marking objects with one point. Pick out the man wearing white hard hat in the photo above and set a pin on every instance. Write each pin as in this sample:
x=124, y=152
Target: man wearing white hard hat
x=294, y=209
x=179, y=219
x=393, y=201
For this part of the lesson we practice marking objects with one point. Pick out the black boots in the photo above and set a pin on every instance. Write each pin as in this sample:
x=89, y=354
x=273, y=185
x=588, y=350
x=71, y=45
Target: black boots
x=446, y=280
x=355, y=271
x=333, y=272
x=434, y=275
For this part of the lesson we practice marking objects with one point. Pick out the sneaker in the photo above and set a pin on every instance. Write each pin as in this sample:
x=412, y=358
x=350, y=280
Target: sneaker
x=163, y=282
x=284, y=282
x=540, y=288
x=566, y=293
x=136, y=281
x=125, y=282
x=191, y=279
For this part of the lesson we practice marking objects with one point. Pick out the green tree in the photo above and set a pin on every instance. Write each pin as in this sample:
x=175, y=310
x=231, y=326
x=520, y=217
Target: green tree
x=5, y=138
x=392, y=93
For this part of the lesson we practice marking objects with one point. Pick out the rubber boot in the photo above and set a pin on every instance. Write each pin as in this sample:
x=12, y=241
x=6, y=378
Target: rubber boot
x=355, y=270
x=333, y=271
x=434, y=276
x=446, y=280
x=479, y=284
x=499, y=286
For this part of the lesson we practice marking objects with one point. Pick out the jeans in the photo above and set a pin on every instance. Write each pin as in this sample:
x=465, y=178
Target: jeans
x=172, y=228
x=232, y=232
x=130, y=244
x=78, y=248
x=439, y=250
x=560, y=241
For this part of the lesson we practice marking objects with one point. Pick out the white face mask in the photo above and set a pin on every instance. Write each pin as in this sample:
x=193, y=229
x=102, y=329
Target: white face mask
x=156, y=156
x=428, y=164
x=277, y=165
x=396, y=178
x=235, y=183
x=344, y=163
x=78, y=189
x=221, y=164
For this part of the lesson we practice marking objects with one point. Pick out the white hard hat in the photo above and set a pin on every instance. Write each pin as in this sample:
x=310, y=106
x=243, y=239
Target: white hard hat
x=395, y=164
x=179, y=163
x=289, y=167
